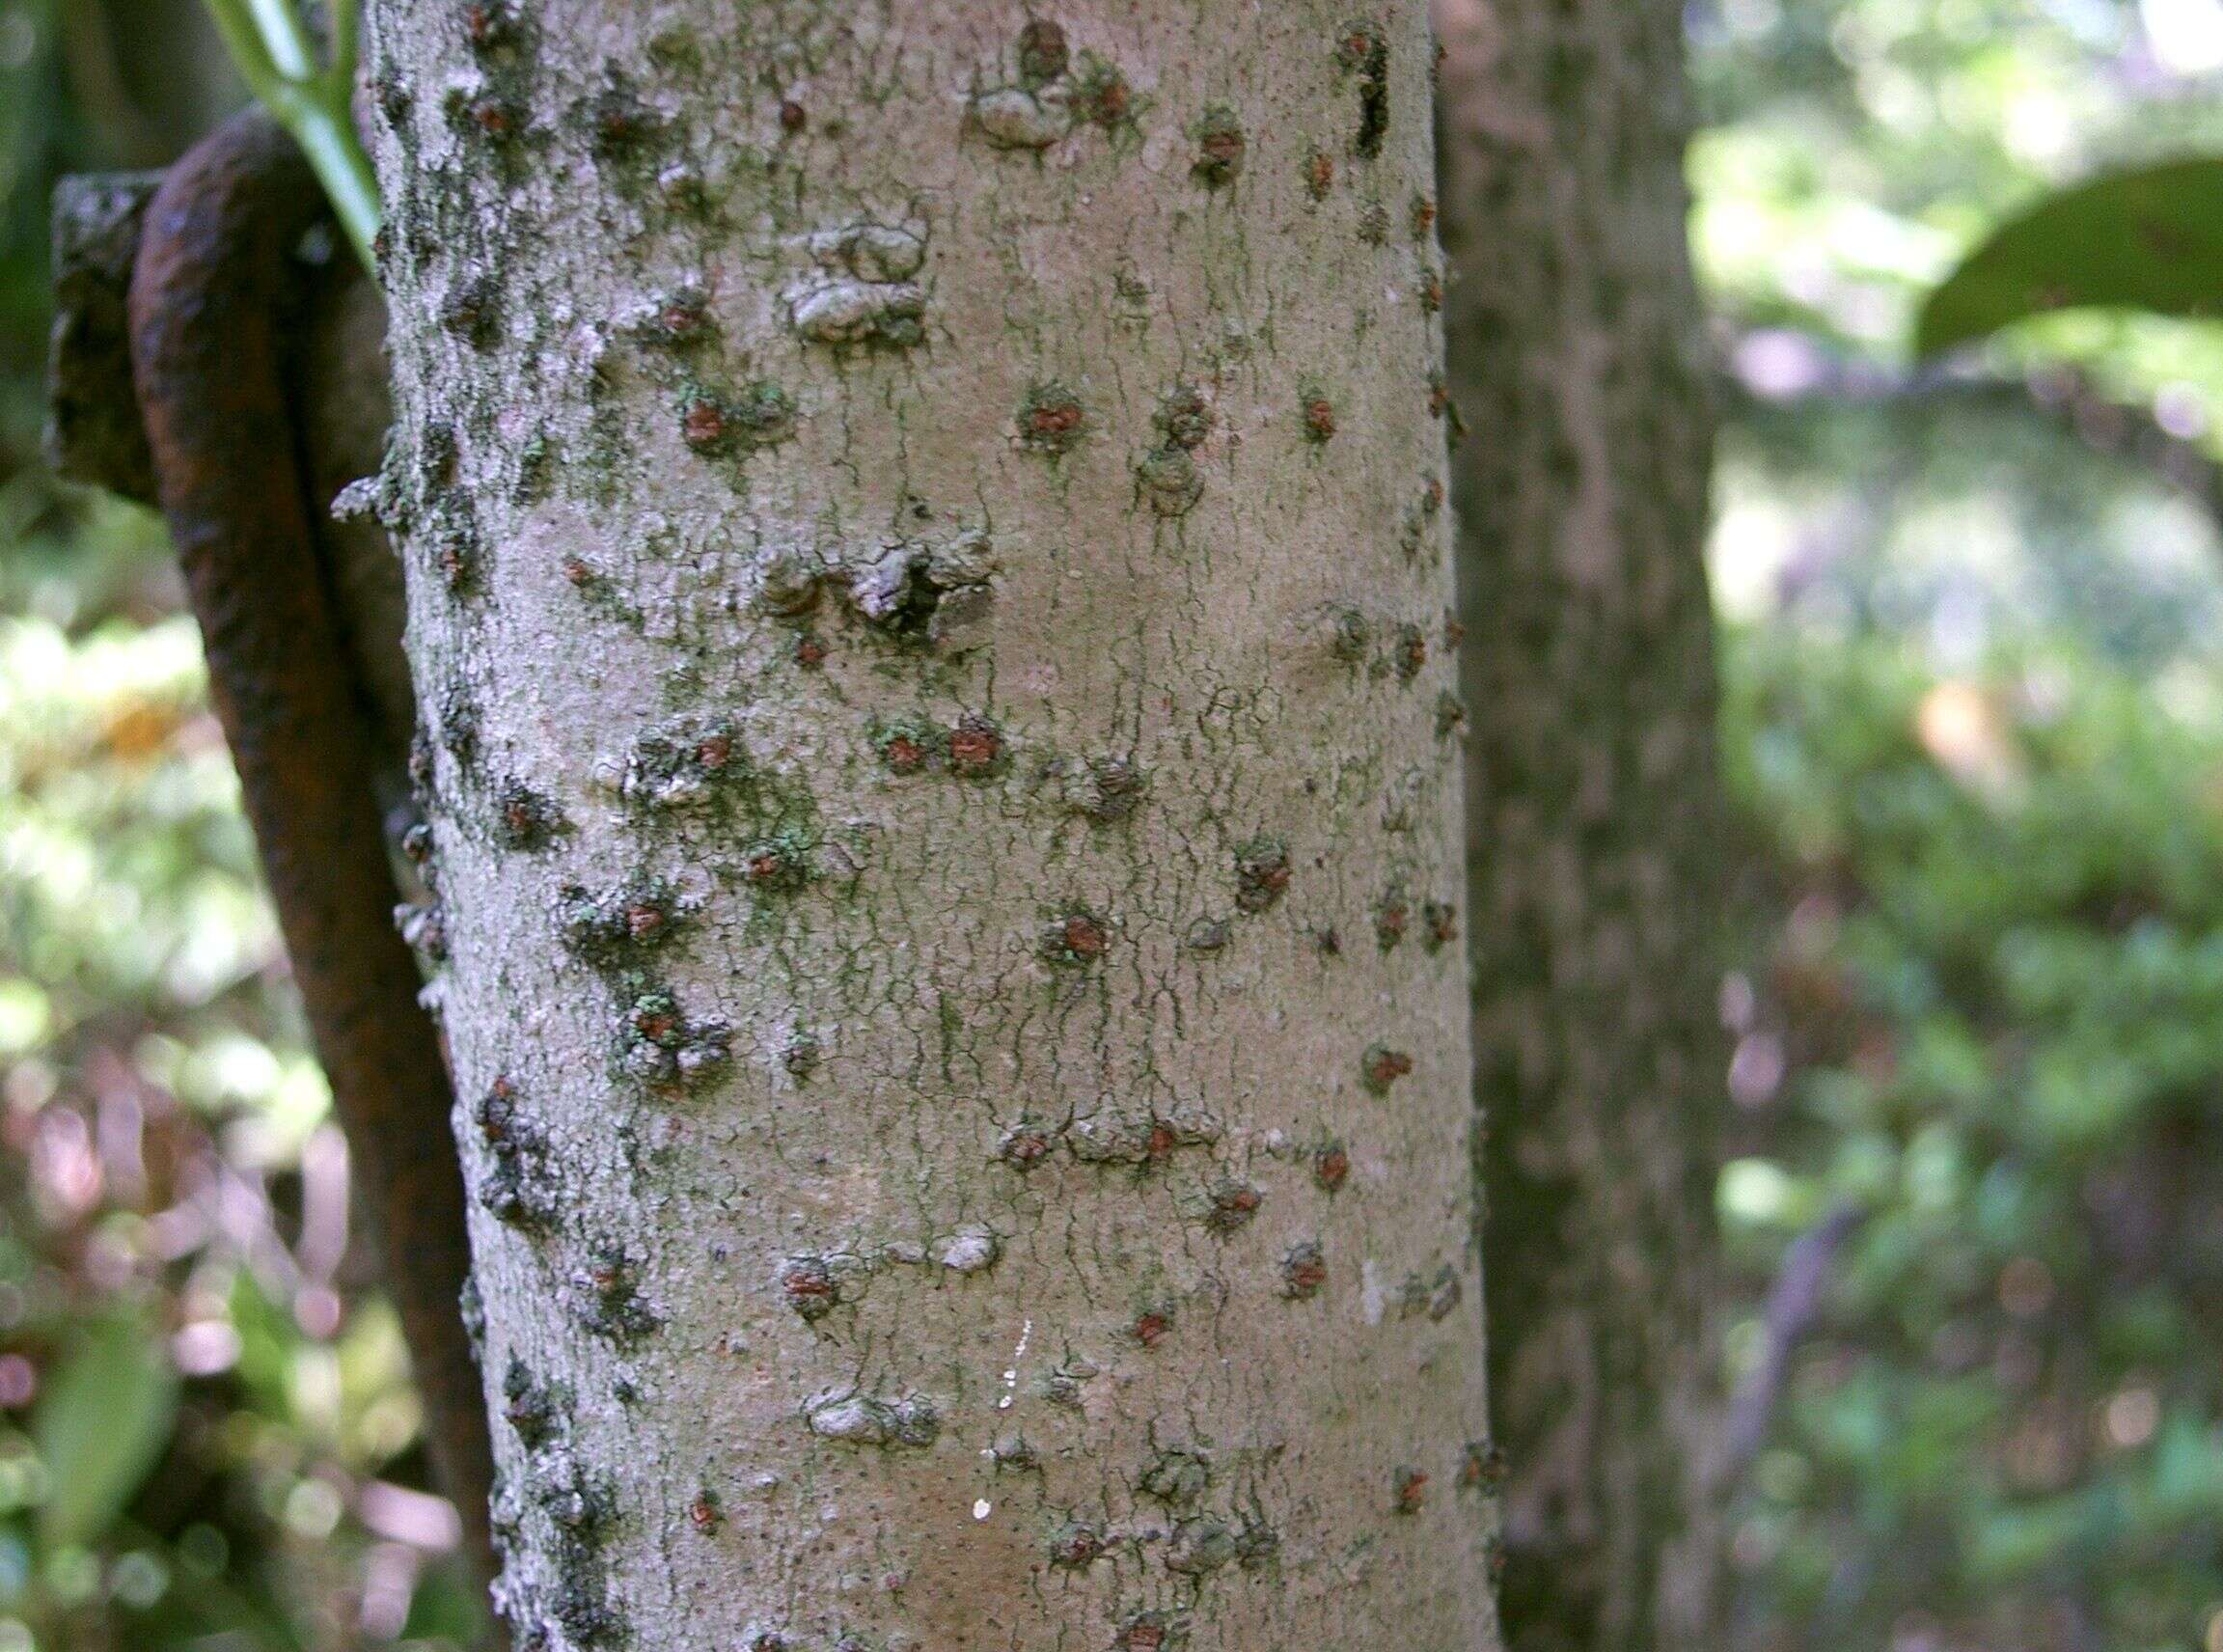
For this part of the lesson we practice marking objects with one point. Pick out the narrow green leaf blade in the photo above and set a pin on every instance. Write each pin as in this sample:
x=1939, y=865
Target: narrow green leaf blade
x=2150, y=239
x=101, y=1425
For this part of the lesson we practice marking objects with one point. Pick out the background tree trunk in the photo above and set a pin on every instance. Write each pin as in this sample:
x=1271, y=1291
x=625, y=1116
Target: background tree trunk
x=928, y=601
x=1596, y=852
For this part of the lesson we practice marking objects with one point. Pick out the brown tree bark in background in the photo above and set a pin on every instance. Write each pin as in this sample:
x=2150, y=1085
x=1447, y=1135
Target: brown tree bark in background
x=1598, y=865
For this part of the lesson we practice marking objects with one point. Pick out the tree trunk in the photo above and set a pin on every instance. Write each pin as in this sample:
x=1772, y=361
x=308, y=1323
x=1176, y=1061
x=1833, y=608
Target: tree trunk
x=1598, y=869
x=928, y=595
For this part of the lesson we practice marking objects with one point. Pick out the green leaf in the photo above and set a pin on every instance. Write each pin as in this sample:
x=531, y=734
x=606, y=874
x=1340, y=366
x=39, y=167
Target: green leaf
x=2151, y=240
x=101, y=1425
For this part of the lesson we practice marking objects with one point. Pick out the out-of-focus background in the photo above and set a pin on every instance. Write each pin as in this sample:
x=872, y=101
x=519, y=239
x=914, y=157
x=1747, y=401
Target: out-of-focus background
x=1973, y=651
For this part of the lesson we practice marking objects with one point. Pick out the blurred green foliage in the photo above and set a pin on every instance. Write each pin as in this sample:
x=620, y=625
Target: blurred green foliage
x=208, y=1430
x=208, y=1438
x=1974, y=718
x=1987, y=1010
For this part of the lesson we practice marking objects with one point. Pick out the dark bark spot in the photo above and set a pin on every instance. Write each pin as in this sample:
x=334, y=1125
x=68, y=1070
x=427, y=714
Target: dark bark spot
x=1319, y=174
x=1074, y=1545
x=526, y=820
x=1232, y=1204
x=1440, y=924
x=1304, y=1272
x=1077, y=939
x=1482, y=1468
x=1052, y=418
x=1407, y=1490
x=1364, y=50
x=976, y=748
x=1382, y=1066
x=1261, y=874
x=1219, y=147
x=1042, y=52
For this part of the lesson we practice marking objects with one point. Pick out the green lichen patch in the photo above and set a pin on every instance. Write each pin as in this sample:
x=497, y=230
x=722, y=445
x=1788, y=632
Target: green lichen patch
x=657, y=1043
x=1102, y=97
x=780, y=863
x=619, y=930
x=718, y=423
x=1382, y=1066
x=909, y=745
x=1168, y=480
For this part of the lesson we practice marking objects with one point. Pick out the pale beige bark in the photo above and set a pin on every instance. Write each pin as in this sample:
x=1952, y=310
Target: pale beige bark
x=928, y=586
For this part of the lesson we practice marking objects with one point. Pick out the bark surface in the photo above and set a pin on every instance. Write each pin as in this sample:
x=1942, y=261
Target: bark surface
x=1597, y=844
x=928, y=598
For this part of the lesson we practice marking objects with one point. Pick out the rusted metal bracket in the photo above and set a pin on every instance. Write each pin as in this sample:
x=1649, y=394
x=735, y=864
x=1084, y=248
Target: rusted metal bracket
x=93, y=430
x=198, y=361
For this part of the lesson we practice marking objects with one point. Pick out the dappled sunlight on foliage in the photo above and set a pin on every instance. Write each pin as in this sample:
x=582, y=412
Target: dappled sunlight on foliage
x=1990, y=1016
x=208, y=1423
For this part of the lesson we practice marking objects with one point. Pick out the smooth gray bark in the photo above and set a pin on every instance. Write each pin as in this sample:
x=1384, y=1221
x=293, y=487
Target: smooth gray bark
x=930, y=591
